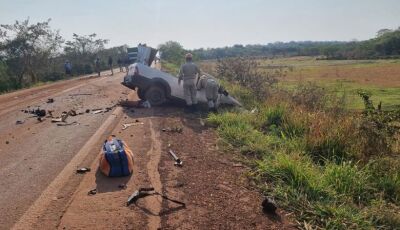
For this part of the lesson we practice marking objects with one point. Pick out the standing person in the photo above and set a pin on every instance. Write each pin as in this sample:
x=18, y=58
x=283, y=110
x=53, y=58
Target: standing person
x=119, y=61
x=68, y=68
x=126, y=62
x=97, y=66
x=110, y=64
x=188, y=73
x=211, y=87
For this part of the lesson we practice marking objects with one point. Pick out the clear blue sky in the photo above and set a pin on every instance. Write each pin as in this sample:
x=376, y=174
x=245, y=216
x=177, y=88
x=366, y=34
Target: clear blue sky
x=209, y=23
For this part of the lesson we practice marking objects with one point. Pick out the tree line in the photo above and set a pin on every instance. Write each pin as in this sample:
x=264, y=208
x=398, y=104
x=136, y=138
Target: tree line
x=386, y=44
x=34, y=52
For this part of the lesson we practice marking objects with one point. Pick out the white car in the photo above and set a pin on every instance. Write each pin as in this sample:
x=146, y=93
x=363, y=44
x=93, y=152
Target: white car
x=157, y=86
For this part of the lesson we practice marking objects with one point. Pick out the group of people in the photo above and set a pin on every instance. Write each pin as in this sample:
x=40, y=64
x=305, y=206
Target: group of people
x=193, y=81
x=97, y=66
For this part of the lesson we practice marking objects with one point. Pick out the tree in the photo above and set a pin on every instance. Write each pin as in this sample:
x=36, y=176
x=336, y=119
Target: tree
x=382, y=32
x=85, y=44
x=82, y=50
x=26, y=49
x=172, y=51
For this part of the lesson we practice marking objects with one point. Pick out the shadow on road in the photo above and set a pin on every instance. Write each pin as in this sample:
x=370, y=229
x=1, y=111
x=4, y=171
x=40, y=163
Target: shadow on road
x=110, y=184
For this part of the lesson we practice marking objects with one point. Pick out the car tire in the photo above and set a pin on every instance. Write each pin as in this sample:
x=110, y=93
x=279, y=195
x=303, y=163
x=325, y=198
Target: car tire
x=155, y=95
x=141, y=94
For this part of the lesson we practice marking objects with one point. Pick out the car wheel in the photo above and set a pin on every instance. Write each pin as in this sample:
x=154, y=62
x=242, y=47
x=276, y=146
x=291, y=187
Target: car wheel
x=155, y=95
x=141, y=94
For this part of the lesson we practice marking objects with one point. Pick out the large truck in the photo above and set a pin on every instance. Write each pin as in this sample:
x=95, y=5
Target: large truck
x=157, y=86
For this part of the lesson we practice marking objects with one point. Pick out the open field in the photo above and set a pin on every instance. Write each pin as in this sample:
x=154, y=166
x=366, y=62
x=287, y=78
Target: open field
x=380, y=78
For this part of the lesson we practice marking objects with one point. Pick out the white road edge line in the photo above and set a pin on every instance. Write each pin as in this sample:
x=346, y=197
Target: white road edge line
x=30, y=216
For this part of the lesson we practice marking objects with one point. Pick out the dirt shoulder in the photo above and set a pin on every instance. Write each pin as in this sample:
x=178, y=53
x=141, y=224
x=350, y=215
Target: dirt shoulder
x=211, y=183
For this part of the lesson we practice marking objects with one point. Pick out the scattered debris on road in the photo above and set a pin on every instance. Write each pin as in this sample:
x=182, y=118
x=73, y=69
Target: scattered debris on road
x=137, y=104
x=80, y=94
x=173, y=130
x=96, y=111
x=68, y=124
x=140, y=193
x=63, y=118
x=83, y=170
x=18, y=122
x=50, y=100
x=143, y=192
x=50, y=113
x=7, y=142
x=269, y=205
x=92, y=192
x=72, y=113
x=122, y=186
x=125, y=126
x=178, y=161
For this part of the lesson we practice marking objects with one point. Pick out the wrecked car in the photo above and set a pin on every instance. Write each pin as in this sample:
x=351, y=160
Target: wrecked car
x=157, y=86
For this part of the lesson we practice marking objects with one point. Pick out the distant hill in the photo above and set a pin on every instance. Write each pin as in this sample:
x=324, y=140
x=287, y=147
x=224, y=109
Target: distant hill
x=385, y=45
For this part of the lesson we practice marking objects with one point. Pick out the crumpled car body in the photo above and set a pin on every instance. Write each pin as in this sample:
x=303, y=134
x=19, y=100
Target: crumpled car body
x=158, y=87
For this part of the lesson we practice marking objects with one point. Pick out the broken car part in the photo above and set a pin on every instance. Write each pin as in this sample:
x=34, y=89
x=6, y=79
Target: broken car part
x=72, y=113
x=143, y=192
x=68, y=124
x=269, y=205
x=173, y=130
x=80, y=94
x=92, y=192
x=83, y=170
x=125, y=126
x=96, y=111
x=178, y=161
x=38, y=112
x=50, y=100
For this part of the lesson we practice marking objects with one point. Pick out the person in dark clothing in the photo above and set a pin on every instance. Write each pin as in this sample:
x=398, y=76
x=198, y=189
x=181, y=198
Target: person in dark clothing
x=126, y=62
x=119, y=61
x=110, y=64
x=68, y=68
x=97, y=66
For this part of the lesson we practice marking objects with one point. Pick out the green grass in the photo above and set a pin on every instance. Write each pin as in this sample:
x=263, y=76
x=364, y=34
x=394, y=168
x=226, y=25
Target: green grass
x=334, y=190
x=389, y=96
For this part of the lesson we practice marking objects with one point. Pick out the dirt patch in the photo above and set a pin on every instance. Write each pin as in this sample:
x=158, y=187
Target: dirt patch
x=213, y=185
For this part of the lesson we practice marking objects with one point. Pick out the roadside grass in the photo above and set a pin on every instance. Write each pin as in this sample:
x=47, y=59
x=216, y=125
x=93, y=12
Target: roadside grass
x=169, y=67
x=389, y=96
x=310, y=158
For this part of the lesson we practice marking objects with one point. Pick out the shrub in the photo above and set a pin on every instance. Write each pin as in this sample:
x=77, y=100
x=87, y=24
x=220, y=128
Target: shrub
x=246, y=73
x=310, y=96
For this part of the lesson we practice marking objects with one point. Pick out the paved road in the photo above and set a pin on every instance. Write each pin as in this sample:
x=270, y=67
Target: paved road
x=32, y=154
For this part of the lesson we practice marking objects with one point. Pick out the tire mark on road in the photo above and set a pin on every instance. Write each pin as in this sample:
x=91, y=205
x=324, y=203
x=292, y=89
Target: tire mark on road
x=154, y=202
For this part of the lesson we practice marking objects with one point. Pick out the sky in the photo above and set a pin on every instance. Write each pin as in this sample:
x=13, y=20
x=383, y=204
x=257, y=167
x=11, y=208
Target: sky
x=209, y=23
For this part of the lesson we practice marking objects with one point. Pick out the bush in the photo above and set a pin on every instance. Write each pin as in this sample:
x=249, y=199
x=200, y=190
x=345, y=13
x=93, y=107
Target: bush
x=246, y=73
x=310, y=96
